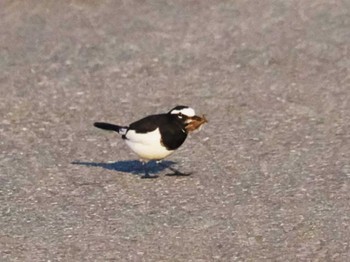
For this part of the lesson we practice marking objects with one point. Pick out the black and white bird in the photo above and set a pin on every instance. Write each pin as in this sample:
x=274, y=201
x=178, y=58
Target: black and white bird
x=157, y=136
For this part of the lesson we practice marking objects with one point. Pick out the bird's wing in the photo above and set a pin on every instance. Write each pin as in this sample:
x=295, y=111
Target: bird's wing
x=145, y=130
x=147, y=124
x=172, y=134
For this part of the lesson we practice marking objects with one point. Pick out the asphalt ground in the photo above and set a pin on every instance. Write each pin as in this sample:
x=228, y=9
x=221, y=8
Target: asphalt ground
x=271, y=169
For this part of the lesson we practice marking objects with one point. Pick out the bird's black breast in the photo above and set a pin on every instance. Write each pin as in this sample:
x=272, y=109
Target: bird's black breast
x=172, y=130
x=173, y=134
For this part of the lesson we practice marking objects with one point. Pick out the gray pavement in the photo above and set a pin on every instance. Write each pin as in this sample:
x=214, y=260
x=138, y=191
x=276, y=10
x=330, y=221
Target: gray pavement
x=271, y=170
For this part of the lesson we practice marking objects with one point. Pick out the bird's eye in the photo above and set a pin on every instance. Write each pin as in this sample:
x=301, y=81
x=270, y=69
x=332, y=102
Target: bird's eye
x=179, y=115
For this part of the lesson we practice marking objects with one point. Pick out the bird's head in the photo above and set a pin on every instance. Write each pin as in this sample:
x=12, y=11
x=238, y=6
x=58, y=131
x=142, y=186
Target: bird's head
x=188, y=117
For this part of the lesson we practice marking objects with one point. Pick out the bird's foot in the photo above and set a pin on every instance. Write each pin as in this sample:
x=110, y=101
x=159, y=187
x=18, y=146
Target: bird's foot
x=148, y=176
x=178, y=173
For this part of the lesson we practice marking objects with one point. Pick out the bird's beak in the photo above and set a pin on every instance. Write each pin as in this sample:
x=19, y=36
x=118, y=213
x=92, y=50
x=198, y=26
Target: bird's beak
x=195, y=122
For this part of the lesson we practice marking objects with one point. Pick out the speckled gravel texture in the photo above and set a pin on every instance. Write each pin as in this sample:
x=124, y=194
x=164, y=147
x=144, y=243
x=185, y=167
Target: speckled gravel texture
x=271, y=177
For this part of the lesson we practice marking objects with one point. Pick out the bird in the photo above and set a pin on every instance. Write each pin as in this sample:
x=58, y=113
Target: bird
x=157, y=136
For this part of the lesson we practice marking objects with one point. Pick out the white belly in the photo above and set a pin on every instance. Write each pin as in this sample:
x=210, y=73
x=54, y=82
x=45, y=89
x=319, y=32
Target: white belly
x=147, y=146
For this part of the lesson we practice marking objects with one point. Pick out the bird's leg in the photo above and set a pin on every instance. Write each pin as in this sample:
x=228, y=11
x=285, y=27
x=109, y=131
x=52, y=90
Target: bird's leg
x=176, y=172
x=146, y=175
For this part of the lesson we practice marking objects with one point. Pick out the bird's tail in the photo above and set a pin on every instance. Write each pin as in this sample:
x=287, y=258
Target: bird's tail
x=106, y=126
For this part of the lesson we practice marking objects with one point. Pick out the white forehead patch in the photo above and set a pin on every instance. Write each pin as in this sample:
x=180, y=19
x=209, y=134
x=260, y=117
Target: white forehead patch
x=188, y=111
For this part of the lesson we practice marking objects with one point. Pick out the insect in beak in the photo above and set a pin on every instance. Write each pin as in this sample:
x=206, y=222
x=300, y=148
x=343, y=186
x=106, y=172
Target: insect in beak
x=195, y=122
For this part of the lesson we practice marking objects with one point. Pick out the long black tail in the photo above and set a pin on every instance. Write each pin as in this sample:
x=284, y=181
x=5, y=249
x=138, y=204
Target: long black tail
x=111, y=127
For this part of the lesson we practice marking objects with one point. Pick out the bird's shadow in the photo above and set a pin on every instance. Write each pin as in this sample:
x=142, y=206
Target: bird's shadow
x=134, y=167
